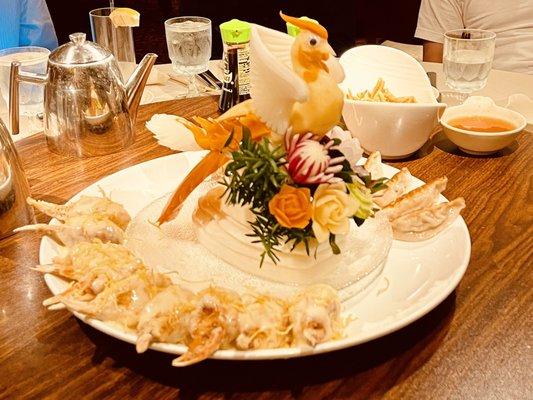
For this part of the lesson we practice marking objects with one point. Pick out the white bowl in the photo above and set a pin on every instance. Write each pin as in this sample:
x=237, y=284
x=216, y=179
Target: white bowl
x=482, y=143
x=397, y=130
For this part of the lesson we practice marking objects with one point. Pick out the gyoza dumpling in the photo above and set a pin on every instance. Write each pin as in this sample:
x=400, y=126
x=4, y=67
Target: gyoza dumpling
x=374, y=166
x=426, y=223
x=396, y=187
x=417, y=199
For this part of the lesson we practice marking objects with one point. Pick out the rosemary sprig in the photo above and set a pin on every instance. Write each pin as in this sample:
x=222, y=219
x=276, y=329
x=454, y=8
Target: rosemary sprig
x=256, y=173
x=252, y=178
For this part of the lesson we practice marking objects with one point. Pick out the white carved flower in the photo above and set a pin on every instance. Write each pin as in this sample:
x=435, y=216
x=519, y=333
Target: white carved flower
x=332, y=209
x=349, y=146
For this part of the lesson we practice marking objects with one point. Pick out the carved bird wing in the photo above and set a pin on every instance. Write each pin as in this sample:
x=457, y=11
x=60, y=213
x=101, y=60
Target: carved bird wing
x=275, y=87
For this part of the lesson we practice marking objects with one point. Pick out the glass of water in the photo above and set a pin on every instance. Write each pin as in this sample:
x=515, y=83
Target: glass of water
x=467, y=58
x=189, y=47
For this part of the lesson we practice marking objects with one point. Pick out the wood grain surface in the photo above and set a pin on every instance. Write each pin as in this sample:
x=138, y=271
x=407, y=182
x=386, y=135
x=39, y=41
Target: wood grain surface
x=475, y=345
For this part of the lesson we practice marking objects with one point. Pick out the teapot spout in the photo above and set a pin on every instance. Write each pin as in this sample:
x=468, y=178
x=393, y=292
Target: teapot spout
x=137, y=82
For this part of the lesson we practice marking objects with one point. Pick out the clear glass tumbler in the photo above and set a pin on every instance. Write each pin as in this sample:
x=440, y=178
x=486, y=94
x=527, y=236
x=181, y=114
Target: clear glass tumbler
x=189, y=47
x=467, y=58
x=32, y=59
x=118, y=40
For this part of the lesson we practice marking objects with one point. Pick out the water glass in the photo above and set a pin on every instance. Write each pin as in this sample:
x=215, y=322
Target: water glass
x=189, y=47
x=32, y=59
x=118, y=40
x=467, y=58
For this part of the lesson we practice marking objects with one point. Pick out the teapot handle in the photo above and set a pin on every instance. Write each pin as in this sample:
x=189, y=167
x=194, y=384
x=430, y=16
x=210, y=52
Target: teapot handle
x=15, y=77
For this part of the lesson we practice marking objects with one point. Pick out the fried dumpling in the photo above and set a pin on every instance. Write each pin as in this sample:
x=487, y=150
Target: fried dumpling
x=374, y=166
x=426, y=223
x=417, y=199
x=396, y=186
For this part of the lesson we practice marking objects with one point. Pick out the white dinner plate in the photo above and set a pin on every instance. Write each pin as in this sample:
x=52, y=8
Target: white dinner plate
x=415, y=279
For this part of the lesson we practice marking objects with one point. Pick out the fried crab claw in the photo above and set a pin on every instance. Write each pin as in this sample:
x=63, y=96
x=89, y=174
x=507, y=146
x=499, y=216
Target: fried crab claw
x=213, y=324
x=315, y=315
x=85, y=205
x=80, y=228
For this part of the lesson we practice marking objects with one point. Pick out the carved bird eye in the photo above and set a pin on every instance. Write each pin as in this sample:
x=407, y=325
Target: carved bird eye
x=312, y=41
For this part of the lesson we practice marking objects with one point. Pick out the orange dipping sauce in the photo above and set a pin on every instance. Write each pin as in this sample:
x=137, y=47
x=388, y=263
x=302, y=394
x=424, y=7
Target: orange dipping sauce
x=479, y=123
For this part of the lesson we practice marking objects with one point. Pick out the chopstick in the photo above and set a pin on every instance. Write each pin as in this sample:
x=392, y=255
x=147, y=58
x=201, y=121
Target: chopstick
x=212, y=78
x=206, y=81
x=183, y=81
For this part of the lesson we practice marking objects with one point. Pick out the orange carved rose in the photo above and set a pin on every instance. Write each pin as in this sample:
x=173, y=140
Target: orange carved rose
x=291, y=207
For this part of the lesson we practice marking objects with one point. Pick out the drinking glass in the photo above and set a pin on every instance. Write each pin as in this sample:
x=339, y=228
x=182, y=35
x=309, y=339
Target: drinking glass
x=32, y=59
x=467, y=59
x=189, y=47
x=118, y=40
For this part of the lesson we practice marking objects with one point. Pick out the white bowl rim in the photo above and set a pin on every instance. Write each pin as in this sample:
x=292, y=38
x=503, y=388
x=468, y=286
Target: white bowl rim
x=389, y=103
x=518, y=129
x=42, y=51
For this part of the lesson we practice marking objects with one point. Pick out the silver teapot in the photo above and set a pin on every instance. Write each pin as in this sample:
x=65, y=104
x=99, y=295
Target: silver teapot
x=88, y=110
x=14, y=189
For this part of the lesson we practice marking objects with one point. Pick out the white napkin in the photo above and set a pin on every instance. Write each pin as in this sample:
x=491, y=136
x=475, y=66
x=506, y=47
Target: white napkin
x=171, y=133
x=524, y=105
x=157, y=77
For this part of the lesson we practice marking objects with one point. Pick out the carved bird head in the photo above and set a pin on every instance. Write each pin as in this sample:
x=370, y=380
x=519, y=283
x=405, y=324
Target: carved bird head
x=311, y=45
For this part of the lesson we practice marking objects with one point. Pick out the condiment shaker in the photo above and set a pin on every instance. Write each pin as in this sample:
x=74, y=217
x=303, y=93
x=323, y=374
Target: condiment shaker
x=236, y=84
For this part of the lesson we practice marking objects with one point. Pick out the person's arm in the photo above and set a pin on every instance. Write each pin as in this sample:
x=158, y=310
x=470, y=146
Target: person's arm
x=435, y=17
x=9, y=23
x=36, y=27
x=432, y=51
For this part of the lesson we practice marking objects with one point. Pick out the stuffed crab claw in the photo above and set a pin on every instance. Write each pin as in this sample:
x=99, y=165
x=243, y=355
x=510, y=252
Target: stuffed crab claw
x=80, y=228
x=212, y=324
x=315, y=316
x=120, y=301
x=165, y=318
x=85, y=205
x=92, y=265
x=264, y=323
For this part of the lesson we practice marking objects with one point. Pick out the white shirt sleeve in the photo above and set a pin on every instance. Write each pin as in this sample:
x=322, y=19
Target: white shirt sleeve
x=438, y=16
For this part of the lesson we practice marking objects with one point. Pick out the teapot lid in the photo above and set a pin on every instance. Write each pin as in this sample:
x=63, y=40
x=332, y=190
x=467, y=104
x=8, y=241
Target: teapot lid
x=78, y=51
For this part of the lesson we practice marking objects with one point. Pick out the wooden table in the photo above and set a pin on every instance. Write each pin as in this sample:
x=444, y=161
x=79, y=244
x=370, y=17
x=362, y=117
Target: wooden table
x=475, y=345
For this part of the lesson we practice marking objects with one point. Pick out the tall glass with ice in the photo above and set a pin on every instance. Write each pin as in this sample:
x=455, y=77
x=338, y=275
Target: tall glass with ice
x=467, y=58
x=189, y=47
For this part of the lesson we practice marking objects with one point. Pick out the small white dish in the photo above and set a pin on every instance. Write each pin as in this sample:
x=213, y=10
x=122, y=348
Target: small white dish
x=482, y=143
x=397, y=130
